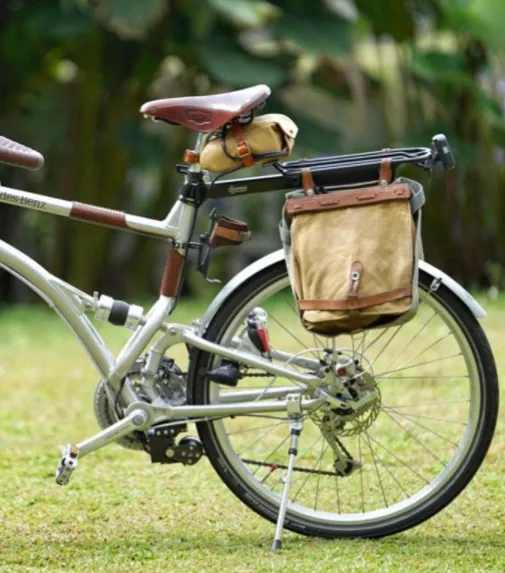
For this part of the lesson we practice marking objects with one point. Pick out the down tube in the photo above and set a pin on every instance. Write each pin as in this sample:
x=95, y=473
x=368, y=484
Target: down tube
x=43, y=283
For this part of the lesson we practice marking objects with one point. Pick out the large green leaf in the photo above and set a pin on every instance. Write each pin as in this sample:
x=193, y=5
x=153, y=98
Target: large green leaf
x=55, y=22
x=394, y=18
x=482, y=19
x=315, y=30
x=130, y=18
x=436, y=66
x=246, y=13
x=228, y=64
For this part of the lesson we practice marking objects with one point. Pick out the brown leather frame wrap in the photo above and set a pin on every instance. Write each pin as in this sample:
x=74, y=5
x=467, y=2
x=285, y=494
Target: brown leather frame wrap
x=13, y=153
x=229, y=232
x=357, y=302
x=172, y=274
x=98, y=215
x=348, y=199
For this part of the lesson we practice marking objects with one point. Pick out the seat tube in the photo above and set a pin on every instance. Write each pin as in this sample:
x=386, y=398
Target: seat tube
x=174, y=265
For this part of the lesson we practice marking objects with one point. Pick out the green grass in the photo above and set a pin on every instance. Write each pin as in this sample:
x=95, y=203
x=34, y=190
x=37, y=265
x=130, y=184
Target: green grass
x=121, y=513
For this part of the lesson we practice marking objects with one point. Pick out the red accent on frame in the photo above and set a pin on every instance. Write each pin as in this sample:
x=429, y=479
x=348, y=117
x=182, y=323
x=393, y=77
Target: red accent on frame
x=263, y=334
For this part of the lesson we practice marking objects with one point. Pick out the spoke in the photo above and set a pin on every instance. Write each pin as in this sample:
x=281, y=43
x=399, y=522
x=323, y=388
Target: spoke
x=361, y=475
x=378, y=337
x=414, y=437
x=256, y=428
x=387, y=468
x=386, y=374
x=323, y=451
x=400, y=460
x=389, y=412
x=428, y=404
x=308, y=475
x=376, y=468
x=293, y=336
x=369, y=367
x=361, y=345
x=427, y=378
x=445, y=420
x=338, y=494
x=411, y=340
x=422, y=352
x=270, y=454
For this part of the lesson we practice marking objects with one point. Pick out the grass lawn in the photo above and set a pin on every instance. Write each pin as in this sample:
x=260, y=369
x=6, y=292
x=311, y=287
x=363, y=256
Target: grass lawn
x=120, y=513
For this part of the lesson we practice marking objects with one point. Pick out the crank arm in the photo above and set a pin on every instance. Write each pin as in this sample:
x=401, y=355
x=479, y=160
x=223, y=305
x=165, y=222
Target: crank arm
x=137, y=419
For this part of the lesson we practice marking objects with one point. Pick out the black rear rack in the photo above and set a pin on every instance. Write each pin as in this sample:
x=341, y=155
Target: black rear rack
x=332, y=172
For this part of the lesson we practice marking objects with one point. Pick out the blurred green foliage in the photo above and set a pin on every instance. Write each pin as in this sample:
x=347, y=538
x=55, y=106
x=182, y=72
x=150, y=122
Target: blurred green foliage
x=353, y=74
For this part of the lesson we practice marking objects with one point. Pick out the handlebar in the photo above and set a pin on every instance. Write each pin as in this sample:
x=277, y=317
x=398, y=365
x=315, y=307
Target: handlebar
x=18, y=155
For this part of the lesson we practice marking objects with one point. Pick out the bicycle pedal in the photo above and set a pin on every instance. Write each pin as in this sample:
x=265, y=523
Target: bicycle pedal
x=67, y=464
x=227, y=373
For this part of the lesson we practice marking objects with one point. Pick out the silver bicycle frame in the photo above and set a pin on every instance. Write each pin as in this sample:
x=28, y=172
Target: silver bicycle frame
x=72, y=305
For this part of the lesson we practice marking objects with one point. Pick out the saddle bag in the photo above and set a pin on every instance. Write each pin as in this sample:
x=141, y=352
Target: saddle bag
x=353, y=254
x=266, y=138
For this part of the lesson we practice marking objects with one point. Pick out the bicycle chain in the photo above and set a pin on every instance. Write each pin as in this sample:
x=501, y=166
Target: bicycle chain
x=284, y=467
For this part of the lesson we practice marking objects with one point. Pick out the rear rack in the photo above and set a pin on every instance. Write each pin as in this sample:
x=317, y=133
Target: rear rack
x=338, y=171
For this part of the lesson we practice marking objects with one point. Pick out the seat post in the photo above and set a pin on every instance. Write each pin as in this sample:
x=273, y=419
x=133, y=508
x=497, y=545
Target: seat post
x=201, y=140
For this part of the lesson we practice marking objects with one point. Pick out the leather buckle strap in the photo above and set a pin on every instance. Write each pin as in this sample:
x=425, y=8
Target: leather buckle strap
x=307, y=181
x=229, y=232
x=355, y=303
x=243, y=149
x=385, y=172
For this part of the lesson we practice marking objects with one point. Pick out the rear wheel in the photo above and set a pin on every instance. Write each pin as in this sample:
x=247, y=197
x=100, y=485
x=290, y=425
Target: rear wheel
x=415, y=446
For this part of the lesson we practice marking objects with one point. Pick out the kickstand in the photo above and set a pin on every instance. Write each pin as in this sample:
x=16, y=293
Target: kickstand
x=296, y=430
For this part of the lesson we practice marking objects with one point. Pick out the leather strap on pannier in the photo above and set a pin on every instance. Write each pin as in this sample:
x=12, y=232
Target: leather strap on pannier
x=357, y=302
x=229, y=232
x=343, y=199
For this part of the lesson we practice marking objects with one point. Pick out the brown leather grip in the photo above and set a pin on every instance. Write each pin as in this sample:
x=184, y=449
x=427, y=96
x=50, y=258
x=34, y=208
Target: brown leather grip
x=13, y=153
x=172, y=274
x=98, y=215
x=355, y=303
x=342, y=199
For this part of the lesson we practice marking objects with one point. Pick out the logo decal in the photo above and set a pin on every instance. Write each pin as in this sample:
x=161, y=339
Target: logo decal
x=236, y=189
x=22, y=200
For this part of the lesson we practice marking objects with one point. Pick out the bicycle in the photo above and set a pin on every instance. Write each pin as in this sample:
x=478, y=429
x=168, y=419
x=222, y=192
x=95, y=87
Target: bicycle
x=365, y=435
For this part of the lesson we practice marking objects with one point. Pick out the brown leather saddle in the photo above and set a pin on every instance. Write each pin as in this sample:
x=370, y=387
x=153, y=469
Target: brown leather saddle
x=206, y=113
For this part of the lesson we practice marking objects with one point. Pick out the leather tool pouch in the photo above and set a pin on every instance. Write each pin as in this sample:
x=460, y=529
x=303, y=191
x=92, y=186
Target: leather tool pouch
x=266, y=138
x=228, y=232
x=353, y=255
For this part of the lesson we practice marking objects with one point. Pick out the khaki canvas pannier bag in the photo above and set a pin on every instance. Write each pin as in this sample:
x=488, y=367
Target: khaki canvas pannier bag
x=352, y=255
x=267, y=138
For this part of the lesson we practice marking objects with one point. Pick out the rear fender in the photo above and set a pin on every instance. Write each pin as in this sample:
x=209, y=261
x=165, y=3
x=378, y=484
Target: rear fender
x=439, y=277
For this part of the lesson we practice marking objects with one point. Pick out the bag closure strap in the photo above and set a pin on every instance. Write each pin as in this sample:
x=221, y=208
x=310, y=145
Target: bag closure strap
x=385, y=171
x=356, y=272
x=243, y=150
x=357, y=302
x=307, y=182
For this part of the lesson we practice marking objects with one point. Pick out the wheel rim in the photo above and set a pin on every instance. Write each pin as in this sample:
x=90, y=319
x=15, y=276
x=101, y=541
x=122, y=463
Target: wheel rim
x=427, y=440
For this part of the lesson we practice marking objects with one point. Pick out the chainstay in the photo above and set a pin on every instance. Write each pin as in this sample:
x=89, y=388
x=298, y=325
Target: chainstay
x=285, y=467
